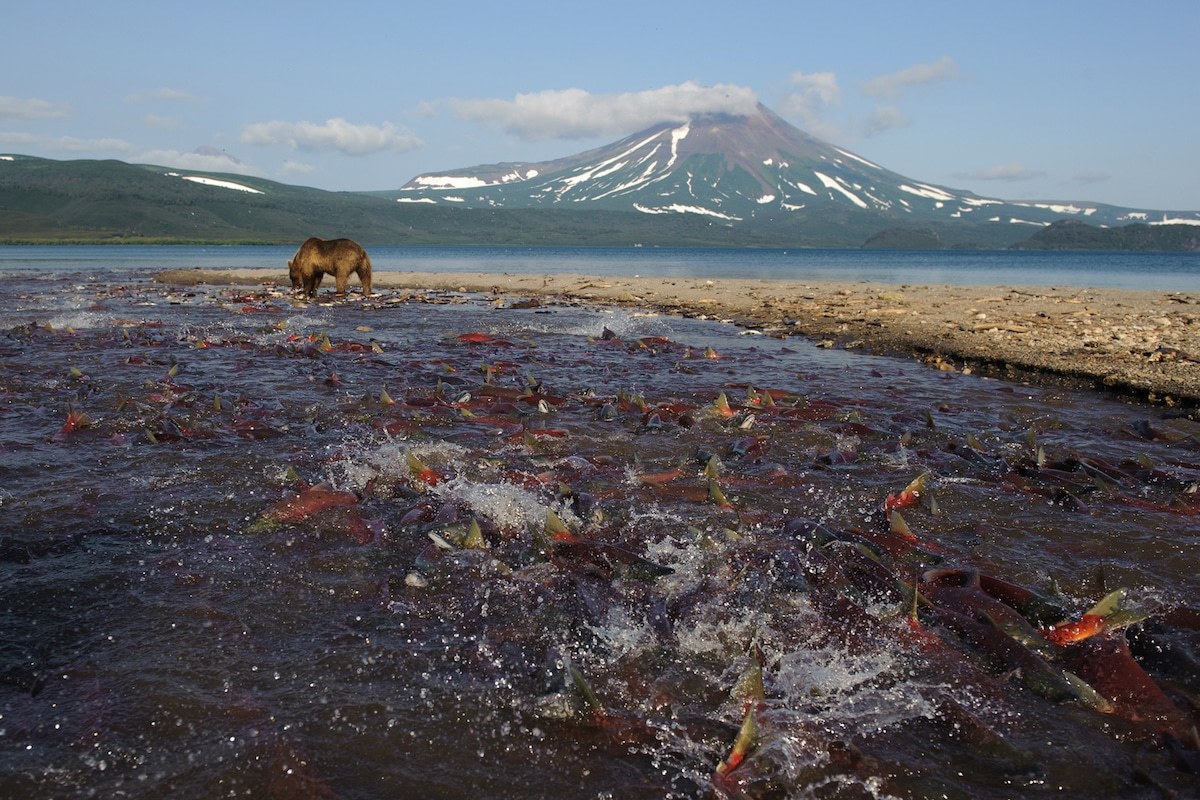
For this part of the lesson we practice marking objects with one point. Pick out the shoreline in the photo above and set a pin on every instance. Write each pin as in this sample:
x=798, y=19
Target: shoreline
x=1141, y=344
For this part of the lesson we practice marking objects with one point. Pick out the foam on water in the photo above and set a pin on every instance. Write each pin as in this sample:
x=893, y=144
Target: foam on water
x=80, y=320
x=861, y=691
x=509, y=507
x=724, y=639
x=364, y=461
x=623, y=635
x=626, y=324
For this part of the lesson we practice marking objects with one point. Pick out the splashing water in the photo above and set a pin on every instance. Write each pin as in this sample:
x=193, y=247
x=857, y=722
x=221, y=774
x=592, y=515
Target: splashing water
x=230, y=567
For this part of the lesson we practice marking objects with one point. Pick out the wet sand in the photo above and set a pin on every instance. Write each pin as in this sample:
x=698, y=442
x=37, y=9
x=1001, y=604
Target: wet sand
x=1144, y=344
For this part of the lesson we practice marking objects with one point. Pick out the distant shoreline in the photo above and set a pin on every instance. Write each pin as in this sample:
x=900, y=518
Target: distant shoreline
x=1133, y=343
x=1099, y=241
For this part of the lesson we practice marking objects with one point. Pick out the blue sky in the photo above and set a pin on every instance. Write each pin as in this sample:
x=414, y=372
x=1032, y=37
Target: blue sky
x=1043, y=100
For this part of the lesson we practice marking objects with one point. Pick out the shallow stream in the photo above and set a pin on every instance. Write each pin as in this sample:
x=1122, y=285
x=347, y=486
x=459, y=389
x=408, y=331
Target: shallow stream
x=237, y=558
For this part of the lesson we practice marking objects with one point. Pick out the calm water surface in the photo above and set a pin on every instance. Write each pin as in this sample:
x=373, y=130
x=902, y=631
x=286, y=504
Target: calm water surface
x=1167, y=271
x=184, y=615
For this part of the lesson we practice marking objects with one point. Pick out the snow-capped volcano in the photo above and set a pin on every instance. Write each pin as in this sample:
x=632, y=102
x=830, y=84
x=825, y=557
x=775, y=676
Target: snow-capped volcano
x=736, y=169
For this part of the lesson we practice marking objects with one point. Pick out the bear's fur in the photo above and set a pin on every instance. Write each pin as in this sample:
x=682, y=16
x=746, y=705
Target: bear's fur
x=317, y=258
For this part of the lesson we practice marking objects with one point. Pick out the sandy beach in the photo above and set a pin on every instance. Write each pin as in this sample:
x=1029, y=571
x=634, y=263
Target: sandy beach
x=1142, y=344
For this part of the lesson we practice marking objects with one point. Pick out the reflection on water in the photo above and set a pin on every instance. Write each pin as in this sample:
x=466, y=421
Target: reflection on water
x=254, y=548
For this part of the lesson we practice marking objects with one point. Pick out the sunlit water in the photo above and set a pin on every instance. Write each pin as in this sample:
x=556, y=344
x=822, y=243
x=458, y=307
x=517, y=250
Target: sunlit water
x=172, y=628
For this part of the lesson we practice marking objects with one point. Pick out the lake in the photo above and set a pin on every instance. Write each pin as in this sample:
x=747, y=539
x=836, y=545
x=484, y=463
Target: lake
x=1161, y=271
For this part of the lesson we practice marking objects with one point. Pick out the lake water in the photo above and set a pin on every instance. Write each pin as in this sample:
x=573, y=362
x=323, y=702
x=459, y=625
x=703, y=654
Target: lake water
x=1166, y=271
x=439, y=546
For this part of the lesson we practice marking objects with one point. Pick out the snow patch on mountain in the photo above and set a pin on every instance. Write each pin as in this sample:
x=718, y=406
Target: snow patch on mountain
x=804, y=187
x=610, y=166
x=1060, y=208
x=677, y=136
x=679, y=208
x=215, y=182
x=925, y=190
x=471, y=182
x=848, y=154
x=450, y=182
x=830, y=183
x=1016, y=221
x=645, y=177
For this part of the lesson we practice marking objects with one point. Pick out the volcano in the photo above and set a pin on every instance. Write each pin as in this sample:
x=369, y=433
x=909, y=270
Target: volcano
x=746, y=170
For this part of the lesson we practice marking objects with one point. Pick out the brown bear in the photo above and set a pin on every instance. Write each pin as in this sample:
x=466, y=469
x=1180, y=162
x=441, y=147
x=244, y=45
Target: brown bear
x=336, y=257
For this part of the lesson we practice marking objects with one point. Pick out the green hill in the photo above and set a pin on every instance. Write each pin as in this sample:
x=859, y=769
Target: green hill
x=49, y=201
x=1072, y=234
x=43, y=200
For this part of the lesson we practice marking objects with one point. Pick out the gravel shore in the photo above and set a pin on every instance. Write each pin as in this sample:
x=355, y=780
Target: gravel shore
x=1144, y=344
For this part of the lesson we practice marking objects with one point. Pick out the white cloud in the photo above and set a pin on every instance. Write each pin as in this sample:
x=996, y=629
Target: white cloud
x=65, y=144
x=817, y=88
x=884, y=118
x=577, y=114
x=896, y=83
x=333, y=134
x=1003, y=172
x=203, y=159
x=162, y=93
x=814, y=100
x=809, y=100
x=30, y=108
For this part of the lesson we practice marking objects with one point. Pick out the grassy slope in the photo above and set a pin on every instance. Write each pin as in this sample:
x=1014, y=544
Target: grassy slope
x=1075, y=235
x=44, y=200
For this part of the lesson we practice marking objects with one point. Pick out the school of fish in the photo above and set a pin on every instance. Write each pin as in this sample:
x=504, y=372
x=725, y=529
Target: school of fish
x=438, y=544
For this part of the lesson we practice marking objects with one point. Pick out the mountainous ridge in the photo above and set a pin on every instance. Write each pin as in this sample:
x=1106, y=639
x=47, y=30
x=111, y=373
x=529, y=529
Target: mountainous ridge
x=109, y=201
x=715, y=180
x=737, y=169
